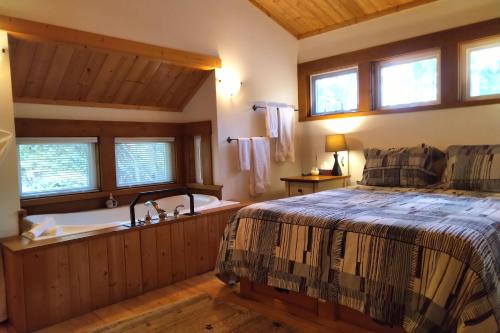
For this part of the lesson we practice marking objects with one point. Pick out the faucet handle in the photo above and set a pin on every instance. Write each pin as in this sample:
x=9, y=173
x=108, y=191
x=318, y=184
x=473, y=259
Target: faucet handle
x=176, y=210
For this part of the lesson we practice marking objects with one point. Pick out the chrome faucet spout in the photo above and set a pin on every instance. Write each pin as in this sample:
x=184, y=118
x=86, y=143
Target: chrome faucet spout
x=155, y=205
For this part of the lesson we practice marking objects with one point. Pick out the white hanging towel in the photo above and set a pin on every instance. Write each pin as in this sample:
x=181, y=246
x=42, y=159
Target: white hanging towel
x=285, y=150
x=244, y=150
x=260, y=172
x=272, y=121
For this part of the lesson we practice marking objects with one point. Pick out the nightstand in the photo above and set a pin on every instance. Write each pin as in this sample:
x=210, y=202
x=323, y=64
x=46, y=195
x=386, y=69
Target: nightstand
x=301, y=185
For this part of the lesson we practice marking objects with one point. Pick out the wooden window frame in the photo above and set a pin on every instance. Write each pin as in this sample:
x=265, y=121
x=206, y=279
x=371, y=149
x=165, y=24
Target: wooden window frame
x=447, y=41
x=55, y=140
x=404, y=59
x=465, y=48
x=106, y=132
x=339, y=71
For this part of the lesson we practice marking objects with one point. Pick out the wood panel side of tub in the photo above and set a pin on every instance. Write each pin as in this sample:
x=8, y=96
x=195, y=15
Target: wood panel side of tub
x=50, y=284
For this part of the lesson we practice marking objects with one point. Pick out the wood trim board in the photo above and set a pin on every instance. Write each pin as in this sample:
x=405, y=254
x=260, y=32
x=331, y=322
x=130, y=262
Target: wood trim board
x=88, y=39
x=448, y=41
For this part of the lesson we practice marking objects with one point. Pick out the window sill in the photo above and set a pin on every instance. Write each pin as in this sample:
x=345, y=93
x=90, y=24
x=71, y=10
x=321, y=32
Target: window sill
x=33, y=202
x=432, y=107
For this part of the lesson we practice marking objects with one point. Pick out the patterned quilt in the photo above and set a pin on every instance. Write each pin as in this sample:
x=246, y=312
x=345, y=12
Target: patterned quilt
x=426, y=260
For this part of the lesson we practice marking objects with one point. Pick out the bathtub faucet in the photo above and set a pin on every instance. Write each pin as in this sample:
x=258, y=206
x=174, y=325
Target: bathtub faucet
x=176, y=210
x=161, y=212
x=170, y=191
x=150, y=203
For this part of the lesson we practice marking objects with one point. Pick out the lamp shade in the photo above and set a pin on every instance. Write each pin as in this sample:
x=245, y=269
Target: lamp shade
x=334, y=143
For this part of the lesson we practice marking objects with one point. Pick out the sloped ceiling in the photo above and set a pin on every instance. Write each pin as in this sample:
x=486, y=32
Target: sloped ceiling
x=304, y=18
x=50, y=72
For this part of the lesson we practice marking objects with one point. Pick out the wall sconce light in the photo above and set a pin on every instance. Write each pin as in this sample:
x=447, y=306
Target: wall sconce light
x=228, y=83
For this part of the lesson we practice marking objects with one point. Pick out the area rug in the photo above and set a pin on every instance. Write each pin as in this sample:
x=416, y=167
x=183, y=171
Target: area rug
x=199, y=313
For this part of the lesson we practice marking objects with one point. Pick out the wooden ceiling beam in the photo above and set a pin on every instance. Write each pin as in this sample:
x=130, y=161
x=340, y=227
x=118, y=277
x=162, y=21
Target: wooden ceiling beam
x=94, y=104
x=92, y=40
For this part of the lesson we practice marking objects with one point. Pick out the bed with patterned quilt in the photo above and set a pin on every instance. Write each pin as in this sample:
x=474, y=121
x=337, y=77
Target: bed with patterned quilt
x=427, y=260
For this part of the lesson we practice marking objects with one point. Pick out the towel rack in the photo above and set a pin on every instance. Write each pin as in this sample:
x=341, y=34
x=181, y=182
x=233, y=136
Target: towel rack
x=255, y=107
x=230, y=139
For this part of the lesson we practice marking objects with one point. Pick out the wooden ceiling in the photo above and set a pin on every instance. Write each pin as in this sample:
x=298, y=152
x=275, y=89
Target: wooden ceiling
x=58, y=65
x=56, y=73
x=305, y=18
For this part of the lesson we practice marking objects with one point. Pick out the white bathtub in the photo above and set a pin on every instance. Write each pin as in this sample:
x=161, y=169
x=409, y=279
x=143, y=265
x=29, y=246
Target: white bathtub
x=80, y=222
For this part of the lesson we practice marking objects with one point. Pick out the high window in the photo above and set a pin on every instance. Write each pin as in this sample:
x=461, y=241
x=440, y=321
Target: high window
x=408, y=80
x=481, y=64
x=335, y=92
x=144, y=161
x=56, y=166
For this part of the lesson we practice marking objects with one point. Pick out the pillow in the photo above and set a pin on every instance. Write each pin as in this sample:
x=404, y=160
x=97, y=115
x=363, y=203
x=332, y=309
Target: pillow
x=408, y=167
x=475, y=168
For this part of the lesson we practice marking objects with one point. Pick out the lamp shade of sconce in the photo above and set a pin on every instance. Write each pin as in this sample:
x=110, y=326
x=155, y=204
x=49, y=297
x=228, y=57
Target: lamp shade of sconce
x=228, y=82
x=5, y=138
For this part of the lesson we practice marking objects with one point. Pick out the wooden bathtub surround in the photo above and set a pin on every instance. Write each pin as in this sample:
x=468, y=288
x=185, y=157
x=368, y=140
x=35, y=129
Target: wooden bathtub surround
x=447, y=41
x=62, y=66
x=325, y=313
x=106, y=132
x=50, y=281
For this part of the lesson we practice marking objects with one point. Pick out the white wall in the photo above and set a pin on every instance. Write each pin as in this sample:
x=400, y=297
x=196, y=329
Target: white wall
x=473, y=125
x=9, y=191
x=250, y=44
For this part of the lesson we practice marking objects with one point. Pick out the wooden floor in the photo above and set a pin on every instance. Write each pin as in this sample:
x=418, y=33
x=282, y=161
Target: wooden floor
x=204, y=283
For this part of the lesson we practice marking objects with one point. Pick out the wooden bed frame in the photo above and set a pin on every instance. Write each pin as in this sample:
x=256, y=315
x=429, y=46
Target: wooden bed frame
x=310, y=308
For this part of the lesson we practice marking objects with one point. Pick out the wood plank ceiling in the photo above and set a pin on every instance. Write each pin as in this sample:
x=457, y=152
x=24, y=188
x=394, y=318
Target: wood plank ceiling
x=47, y=72
x=305, y=18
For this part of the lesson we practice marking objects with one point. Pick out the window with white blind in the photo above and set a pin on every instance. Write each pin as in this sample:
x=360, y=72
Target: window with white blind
x=198, y=167
x=144, y=161
x=56, y=166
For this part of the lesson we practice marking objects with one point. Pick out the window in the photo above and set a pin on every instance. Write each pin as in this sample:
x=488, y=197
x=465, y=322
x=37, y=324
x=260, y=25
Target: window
x=143, y=161
x=198, y=160
x=55, y=166
x=408, y=81
x=334, y=92
x=482, y=69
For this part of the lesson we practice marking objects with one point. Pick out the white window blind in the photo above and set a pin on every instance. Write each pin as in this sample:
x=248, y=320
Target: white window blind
x=198, y=160
x=143, y=161
x=56, y=166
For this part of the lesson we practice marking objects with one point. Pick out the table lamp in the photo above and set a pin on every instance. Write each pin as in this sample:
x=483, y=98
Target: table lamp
x=335, y=143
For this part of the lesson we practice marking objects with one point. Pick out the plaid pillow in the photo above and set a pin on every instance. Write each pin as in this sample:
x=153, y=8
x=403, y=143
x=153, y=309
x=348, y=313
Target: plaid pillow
x=474, y=168
x=407, y=167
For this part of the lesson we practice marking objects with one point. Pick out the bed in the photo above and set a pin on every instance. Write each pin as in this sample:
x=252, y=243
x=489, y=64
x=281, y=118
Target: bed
x=424, y=260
